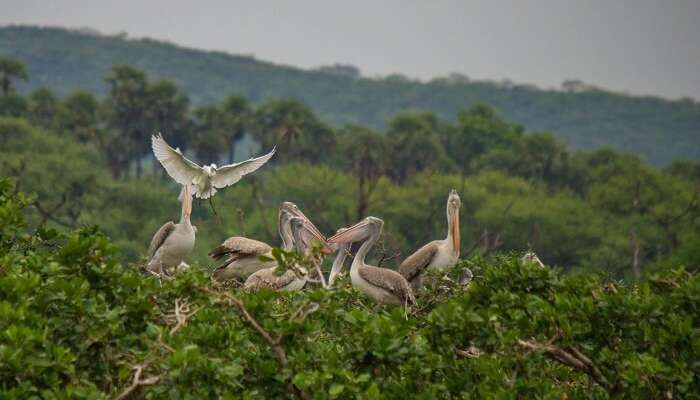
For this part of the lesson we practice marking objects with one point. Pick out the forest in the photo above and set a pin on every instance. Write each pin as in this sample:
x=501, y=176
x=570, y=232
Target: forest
x=580, y=115
x=613, y=315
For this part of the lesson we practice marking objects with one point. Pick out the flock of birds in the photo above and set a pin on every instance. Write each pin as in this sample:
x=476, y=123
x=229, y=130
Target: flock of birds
x=250, y=260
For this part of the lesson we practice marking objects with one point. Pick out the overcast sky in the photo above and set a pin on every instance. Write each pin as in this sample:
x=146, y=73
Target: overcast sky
x=636, y=46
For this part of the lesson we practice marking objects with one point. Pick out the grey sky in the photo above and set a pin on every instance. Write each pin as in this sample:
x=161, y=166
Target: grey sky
x=636, y=46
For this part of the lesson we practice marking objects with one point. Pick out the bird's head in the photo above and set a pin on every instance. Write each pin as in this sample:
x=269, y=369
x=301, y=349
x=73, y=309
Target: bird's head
x=210, y=170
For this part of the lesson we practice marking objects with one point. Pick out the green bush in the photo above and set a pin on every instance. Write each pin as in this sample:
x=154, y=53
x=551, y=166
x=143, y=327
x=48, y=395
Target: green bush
x=75, y=323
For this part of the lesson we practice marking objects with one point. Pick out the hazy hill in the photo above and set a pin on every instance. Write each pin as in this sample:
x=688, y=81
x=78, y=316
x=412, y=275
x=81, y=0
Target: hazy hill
x=658, y=129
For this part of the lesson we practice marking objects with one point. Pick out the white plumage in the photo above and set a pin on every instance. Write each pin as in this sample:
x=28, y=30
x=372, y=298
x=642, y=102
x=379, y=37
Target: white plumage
x=207, y=179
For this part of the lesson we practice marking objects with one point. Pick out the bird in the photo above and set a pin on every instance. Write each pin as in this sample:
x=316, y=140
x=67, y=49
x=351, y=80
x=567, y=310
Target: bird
x=438, y=254
x=241, y=254
x=173, y=242
x=342, y=253
x=531, y=257
x=380, y=284
x=205, y=179
x=466, y=276
x=296, y=276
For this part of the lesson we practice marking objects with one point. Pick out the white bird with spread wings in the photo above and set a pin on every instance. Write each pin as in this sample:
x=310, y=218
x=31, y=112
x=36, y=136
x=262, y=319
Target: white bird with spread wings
x=207, y=179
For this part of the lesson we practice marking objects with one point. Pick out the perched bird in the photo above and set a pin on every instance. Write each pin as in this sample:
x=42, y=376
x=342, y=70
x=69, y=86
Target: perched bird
x=173, y=242
x=531, y=257
x=466, y=276
x=296, y=276
x=380, y=284
x=438, y=254
x=207, y=179
x=241, y=255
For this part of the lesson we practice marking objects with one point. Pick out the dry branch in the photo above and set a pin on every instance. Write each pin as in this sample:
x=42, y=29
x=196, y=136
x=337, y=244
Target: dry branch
x=137, y=382
x=275, y=343
x=570, y=357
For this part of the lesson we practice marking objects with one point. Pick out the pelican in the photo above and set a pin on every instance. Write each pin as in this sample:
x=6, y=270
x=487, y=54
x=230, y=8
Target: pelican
x=531, y=257
x=206, y=179
x=173, y=242
x=241, y=254
x=342, y=249
x=380, y=284
x=438, y=254
x=296, y=276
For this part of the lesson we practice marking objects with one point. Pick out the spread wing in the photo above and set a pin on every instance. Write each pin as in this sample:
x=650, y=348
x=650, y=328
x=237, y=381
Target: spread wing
x=388, y=280
x=238, y=246
x=159, y=238
x=229, y=174
x=414, y=264
x=182, y=170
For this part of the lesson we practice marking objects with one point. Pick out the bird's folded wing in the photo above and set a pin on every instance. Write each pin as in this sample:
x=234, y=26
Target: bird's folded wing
x=240, y=245
x=159, y=238
x=416, y=262
x=182, y=170
x=232, y=173
x=388, y=280
x=266, y=278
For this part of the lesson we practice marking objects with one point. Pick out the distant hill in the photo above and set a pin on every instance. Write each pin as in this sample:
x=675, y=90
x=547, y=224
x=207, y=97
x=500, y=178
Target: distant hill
x=659, y=130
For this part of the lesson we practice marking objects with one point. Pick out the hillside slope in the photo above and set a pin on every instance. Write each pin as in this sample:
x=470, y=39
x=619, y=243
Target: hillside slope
x=659, y=130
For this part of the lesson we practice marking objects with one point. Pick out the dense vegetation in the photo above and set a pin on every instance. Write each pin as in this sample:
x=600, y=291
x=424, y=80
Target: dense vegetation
x=585, y=117
x=75, y=323
x=88, y=162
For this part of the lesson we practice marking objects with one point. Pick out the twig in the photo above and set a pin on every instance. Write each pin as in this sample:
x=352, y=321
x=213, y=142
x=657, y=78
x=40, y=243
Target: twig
x=570, y=357
x=181, y=314
x=138, y=382
x=275, y=343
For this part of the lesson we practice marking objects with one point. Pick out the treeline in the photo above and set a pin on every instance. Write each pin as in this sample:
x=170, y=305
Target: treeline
x=659, y=130
x=88, y=159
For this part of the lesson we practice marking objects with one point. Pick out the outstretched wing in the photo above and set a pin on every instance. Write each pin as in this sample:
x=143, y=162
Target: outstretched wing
x=232, y=173
x=179, y=168
x=414, y=264
x=159, y=238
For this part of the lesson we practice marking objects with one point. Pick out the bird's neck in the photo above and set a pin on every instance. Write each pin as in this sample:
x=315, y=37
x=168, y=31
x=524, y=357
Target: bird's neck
x=362, y=252
x=185, y=219
x=339, y=258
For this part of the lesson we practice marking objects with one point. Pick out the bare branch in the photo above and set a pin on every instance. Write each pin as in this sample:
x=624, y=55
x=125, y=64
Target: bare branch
x=138, y=382
x=275, y=343
x=180, y=315
x=570, y=357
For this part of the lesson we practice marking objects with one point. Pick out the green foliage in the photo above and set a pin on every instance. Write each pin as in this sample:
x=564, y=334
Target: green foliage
x=75, y=323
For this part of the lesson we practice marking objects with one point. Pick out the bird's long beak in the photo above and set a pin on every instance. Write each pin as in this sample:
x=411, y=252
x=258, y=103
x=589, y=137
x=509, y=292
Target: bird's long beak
x=309, y=234
x=455, y=232
x=354, y=233
x=342, y=249
x=295, y=211
x=186, y=200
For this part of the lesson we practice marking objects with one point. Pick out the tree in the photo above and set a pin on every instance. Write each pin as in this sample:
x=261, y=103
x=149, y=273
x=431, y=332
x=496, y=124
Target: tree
x=43, y=106
x=479, y=130
x=296, y=132
x=207, y=140
x=11, y=69
x=235, y=117
x=78, y=116
x=128, y=107
x=362, y=153
x=415, y=145
x=168, y=112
